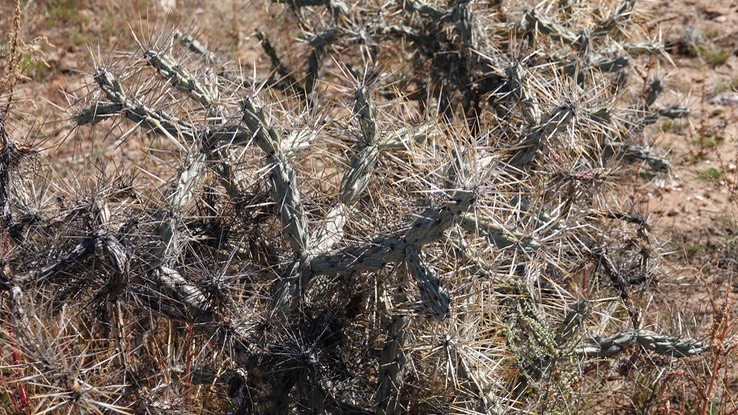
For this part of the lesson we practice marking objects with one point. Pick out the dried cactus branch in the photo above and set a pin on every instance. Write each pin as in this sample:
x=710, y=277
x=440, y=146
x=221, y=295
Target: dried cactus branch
x=196, y=46
x=181, y=290
x=287, y=80
x=180, y=78
x=432, y=295
x=573, y=322
x=391, y=367
x=156, y=121
x=500, y=236
x=432, y=223
x=413, y=6
x=428, y=228
x=9, y=156
x=548, y=27
x=673, y=346
x=304, y=3
x=520, y=93
x=284, y=182
x=356, y=179
x=615, y=21
x=531, y=141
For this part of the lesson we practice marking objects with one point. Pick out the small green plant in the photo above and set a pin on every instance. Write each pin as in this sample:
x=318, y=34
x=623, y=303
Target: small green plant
x=691, y=250
x=716, y=113
x=711, y=174
x=66, y=11
x=716, y=56
x=709, y=141
x=673, y=126
x=711, y=33
x=724, y=86
x=34, y=67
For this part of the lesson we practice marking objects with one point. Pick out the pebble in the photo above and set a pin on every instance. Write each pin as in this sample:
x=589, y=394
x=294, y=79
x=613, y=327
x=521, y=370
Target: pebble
x=725, y=99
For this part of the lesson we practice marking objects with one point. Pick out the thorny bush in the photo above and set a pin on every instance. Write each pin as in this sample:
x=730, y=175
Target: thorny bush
x=413, y=209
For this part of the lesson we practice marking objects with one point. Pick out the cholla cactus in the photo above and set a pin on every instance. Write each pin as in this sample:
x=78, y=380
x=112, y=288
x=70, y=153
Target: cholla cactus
x=402, y=235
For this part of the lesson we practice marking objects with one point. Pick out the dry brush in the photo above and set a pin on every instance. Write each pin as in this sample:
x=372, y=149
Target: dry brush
x=413, y=209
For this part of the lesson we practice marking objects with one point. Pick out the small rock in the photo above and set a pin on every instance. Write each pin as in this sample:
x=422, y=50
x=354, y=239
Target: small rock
x=725, y=99
x=168, y=5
